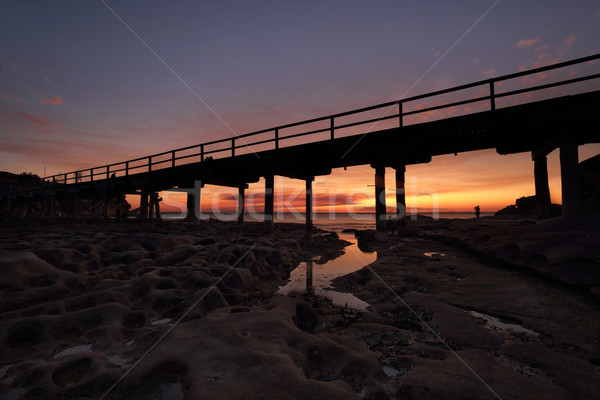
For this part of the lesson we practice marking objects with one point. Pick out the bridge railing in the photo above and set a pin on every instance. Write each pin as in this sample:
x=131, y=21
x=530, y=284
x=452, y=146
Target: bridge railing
x=328, y=125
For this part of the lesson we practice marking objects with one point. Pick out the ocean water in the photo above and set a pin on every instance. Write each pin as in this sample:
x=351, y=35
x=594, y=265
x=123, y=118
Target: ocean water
x=334, y=222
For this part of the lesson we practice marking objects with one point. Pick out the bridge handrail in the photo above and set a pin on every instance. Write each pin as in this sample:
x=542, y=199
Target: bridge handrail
x=106, y=171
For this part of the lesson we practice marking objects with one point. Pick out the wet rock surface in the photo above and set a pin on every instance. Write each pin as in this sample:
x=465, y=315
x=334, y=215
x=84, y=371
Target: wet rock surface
x=466, y=317
x=192, y=307
x=458, y=309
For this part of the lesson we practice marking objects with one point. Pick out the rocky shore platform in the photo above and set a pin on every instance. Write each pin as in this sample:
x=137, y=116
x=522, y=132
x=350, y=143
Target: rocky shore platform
x=470, y=309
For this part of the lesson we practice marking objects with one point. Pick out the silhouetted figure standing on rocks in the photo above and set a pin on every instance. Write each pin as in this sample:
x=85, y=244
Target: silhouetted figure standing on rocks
x=477, y=211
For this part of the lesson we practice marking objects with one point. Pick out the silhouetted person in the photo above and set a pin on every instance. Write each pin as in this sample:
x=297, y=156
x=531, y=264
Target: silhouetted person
x=477, y=211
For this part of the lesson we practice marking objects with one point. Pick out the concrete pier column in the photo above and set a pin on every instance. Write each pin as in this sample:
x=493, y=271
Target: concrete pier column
x=569, y=176
x=25, y=209
x=542, y=190
x=105, y=205
x=191, y=208
x=44, y=207
x=72, y=206
x=400, y=196
x=8, y=208
x=51, y=207
x=269, y=200
x=155, y=206
x=380, y=211
x=241, y=206
x=101, y=207
x=309, y=206
x=65, y=206
x=194, y=203
x=144, y=205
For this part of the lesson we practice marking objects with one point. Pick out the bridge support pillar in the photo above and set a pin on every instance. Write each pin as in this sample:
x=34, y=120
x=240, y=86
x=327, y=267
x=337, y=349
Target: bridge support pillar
x=400, y=197
x=269, y=200
x=194, y=202
x=190, y=203
x=191, y=206
x=99, y=202
x=7, y=208
x=51, y=207
x=47, y=210
x=309, y=207
x=380, y=210
x=71, y=206
x=542, y=190
x=102, y=208
x=154, y=206
x=569, y=176
x=144, y=205
x=241, y=205
x=26, y=210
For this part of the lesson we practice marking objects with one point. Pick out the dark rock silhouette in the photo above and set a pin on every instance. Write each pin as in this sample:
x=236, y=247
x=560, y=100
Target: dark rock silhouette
x=525, y=207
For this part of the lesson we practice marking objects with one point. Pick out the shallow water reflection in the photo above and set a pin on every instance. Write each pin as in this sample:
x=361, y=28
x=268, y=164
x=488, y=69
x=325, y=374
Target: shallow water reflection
x=310, y=277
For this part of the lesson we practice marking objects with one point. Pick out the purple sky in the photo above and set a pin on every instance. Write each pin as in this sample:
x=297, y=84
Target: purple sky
x=78, y=88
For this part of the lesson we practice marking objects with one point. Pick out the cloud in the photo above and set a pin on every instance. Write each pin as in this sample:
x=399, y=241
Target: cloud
x=11, y=98
x=36, y=119
x=544, y=55
x=45, y=98
x=435, y=52
x=489, y=72
x=28, y=124
x=47, y=79
x=526, y=43
x=570, y=40
x=50, y=99
x=14, y=66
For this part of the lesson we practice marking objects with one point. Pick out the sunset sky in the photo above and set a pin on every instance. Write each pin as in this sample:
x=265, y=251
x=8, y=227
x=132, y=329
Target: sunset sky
x=86, y=83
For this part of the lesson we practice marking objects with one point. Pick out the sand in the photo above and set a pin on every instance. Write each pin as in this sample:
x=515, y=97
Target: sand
x=472, y=309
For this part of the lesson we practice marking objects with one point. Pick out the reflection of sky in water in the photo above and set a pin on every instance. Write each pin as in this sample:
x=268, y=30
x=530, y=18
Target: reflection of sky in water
x=495, y=323
x=322, y=274
x=81, y=348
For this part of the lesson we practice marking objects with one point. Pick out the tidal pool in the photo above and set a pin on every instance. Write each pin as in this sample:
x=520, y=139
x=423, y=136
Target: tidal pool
x=310, y=277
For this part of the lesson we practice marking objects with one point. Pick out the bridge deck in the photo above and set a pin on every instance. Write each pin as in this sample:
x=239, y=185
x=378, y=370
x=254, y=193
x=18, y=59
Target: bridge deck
x=537, y=127
x=534, y=127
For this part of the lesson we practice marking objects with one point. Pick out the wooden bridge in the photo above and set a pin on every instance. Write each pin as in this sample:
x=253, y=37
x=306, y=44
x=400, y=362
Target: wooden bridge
x=475, y=116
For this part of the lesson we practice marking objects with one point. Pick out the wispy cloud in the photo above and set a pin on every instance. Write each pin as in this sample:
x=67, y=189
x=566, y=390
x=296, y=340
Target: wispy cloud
x=9, y=98
x=19, y=122
x=36, y=119
x=526, y=42
x=546, y=54
x=489, y=72
x=570, y=40
x=13, y=66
